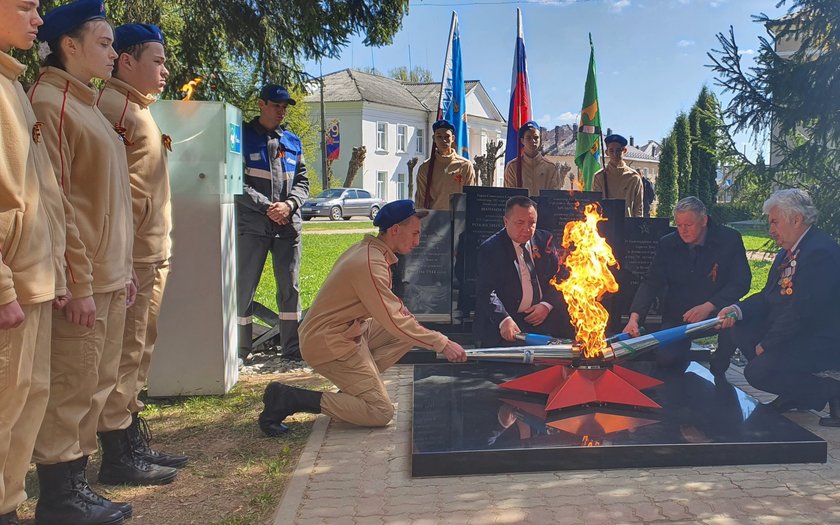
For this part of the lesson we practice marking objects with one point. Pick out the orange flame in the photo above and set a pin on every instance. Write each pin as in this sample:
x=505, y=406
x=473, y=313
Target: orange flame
x=589, y=279
x=189, y=88
x=587, y=441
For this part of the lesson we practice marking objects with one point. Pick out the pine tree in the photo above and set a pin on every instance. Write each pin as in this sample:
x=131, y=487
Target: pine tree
x=666, y=181
x=795, y=98
x=235, y=45
x=682, y=135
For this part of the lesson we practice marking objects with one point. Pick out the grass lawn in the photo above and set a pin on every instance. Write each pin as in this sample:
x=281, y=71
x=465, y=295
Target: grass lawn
x=761, y=242
x=319, y=225
x=759, y=270
x=320, y=252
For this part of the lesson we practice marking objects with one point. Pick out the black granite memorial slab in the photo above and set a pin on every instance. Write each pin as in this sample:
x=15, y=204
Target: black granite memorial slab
x=556, y=208
x=464, y=423
x=641, y=237
x=426, y=272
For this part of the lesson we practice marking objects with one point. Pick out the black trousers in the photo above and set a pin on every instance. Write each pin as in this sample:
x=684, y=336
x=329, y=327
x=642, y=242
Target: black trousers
x=252, y=251
x=788, y=373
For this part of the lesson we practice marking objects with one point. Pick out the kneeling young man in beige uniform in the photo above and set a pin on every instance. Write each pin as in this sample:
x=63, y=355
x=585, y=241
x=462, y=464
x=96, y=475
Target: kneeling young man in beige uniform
x=356, y=329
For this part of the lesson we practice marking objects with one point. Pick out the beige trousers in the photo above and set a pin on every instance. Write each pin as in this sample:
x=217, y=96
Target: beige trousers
x=363, y=399
x=24, y=390
x=138, y=342
x=83, y=374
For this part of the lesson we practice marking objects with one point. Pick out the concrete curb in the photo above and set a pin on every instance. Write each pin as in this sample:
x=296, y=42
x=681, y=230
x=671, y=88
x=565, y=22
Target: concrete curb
x=293, y=495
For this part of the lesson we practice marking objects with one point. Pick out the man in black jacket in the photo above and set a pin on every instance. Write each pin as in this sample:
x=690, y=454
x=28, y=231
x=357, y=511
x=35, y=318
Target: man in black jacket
x=702, y=266
x=787, y=331
x=513, y=292
x=275, y=186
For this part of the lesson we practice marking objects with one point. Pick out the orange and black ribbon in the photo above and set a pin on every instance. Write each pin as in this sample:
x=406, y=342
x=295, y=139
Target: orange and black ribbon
x=167, y=142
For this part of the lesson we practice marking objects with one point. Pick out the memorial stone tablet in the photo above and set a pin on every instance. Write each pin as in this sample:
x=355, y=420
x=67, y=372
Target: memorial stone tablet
x=427, y=271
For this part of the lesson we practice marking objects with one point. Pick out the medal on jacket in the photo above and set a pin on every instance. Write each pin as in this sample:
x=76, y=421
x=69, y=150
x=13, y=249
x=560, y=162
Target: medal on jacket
x=121, y=131
x=713, y=274
x=167, y=142
x=786, y=272
x=36, y=132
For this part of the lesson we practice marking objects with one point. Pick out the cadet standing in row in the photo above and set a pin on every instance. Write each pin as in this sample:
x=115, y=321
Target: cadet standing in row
x=32, y=240
x=618, y=180
x=139, y=75
x=444, y=172
x=530, y=169
x=88, y=157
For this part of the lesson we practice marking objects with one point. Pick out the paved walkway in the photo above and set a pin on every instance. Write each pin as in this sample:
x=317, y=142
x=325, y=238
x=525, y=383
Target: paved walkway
x=354, y=476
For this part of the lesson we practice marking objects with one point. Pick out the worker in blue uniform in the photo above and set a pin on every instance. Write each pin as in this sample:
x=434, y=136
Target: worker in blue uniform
x=268, y=219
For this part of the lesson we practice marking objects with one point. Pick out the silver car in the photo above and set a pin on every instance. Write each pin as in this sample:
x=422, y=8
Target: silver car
x=342, y=203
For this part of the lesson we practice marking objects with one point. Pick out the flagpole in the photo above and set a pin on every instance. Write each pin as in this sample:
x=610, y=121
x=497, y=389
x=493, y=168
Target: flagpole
x=446, y=64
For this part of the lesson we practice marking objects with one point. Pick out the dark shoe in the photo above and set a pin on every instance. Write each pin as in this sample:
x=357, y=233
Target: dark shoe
x=10, y=518
x=141, y=436
x=281, y=401
x=121, y=466
x=81, y=481
x=64, y=498
x=833, y=419
x=783, y=404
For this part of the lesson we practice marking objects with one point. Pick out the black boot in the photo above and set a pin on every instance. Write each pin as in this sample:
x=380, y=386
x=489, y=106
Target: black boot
x=9, y=518
x=63, y=499
x=79, y=467
x=120, y=466
x=833, y=419
x=281, y=401
x=140, y=436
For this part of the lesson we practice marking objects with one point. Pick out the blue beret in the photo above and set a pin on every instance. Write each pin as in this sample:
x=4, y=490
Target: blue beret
x=526, y=126
x=275, y=93
x=68, y=17
x=395, y=212
x=615, y=137
x=128, y=35
x=443, y=123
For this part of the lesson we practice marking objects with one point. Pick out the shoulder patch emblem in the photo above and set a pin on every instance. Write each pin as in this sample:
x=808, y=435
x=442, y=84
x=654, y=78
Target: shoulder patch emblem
x=167, y=142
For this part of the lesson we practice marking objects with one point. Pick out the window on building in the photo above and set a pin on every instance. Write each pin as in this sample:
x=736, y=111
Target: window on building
x=402, y=134
x=382, y=185
x=402, y=186
x=382, y=136
x=420, y=138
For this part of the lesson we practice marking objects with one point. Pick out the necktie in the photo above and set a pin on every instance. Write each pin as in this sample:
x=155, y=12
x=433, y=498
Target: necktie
x=529, y=263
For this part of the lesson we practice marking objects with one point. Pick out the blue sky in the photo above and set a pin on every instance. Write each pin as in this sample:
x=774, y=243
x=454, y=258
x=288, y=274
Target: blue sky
x=650, y=54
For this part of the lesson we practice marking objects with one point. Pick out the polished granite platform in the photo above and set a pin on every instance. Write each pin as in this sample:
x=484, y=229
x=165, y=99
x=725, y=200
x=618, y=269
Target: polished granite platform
x=464, y=423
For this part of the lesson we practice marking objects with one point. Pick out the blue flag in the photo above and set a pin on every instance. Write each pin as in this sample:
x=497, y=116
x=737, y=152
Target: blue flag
x=453, y=96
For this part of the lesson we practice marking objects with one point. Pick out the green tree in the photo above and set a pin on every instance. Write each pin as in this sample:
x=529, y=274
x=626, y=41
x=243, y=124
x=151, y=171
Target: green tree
x=705, y=127
x=666, y=181
x=682, y=135
x=236, y=45
x=794, y=98
x=418, y=74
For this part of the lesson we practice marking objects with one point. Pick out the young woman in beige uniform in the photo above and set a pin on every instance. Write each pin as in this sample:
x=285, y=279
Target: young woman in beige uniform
x=88, y=157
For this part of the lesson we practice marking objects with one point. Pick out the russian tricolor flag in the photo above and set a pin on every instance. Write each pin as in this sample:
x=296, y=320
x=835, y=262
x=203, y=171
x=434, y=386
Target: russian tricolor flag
x=520, y=94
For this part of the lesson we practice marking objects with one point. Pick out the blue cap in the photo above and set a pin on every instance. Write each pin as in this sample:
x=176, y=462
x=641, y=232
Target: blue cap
x=65, y=18
x=526, y=126
x=395, y=212
x=615, y=137
x=275, y=93
x=443, y=123
x=128, y=35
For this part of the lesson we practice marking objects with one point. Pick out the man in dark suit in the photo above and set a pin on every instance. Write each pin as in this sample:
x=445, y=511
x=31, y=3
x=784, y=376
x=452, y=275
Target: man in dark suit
x=703, y=266
x=513, y=293
x=787, y=331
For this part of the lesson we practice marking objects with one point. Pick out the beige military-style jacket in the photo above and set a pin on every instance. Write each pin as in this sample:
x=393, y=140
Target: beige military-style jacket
x=451, y=173
x=128, y=110
x=357, y=290
x=88, y=157
x=27, y=264
x=625, y=183
x=538, y=173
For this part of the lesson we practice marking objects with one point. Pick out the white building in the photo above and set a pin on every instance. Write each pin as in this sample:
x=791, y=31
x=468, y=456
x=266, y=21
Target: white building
x=393, y=120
